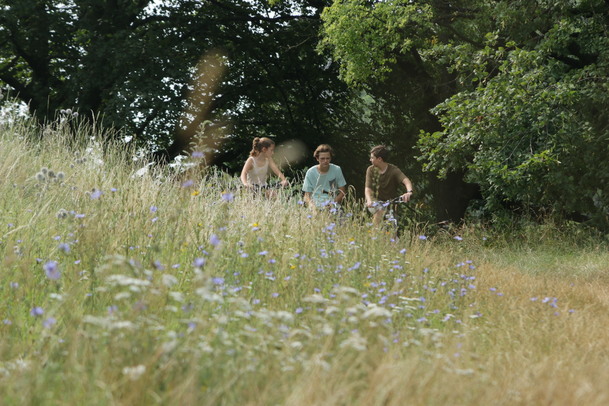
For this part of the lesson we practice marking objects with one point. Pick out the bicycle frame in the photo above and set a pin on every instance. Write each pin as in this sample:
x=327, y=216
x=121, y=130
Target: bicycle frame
x=383, y=205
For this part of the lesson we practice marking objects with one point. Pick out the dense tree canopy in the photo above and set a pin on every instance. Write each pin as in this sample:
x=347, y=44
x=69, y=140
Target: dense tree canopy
x=518, y=89
x=532, y=129
x=387, y=48
x=505, y=99
x=133, y=65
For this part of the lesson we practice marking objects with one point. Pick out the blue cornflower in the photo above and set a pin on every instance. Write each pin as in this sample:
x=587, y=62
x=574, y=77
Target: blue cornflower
x=153, y=209
x=355, y=266
x=37, y=311
x=51, y=269
x=64, y=247
x=49, y=322
x=96, y=194
x=214, y=240
x=188, y=183
x=218, y=281
x=198, y=262
x=422, y=237
x=228, y=197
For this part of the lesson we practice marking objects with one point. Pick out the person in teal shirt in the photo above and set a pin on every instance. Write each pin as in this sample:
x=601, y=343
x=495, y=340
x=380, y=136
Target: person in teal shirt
x=324, y=183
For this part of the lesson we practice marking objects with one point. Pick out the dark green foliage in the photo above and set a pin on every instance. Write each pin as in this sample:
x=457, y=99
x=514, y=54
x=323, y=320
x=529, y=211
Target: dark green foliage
x=131, y=65
x=518, y=88
x=532, y=131
x=508, y=95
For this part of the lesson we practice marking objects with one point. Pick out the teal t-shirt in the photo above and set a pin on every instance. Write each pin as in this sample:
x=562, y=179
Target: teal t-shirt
x=323, y=187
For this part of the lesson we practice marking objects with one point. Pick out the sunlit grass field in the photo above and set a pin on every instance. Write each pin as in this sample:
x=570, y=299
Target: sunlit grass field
x=121, y=286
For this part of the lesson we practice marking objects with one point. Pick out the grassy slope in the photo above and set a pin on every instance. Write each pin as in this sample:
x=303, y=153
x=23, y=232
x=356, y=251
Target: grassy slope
x=288, y=308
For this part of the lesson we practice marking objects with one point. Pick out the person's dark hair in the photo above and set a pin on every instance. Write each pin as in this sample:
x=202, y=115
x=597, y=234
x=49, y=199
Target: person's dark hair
x=380, y=151
x=323, y=148
x=259, y=144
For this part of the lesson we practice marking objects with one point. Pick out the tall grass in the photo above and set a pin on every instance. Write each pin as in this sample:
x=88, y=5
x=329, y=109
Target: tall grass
x=121, y=287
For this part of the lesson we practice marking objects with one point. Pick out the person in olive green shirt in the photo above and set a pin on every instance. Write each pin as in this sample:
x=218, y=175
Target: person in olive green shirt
x=382, y=182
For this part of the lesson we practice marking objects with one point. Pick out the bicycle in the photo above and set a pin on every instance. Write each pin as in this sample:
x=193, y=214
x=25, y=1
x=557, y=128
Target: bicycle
x=269, y=190
x=391, y=208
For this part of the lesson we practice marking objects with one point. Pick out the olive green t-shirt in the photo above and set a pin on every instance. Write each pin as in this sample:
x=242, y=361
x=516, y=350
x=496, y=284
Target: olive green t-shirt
x=384, y=186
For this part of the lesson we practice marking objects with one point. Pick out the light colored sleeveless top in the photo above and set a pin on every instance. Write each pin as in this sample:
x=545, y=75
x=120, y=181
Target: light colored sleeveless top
x=258, y=174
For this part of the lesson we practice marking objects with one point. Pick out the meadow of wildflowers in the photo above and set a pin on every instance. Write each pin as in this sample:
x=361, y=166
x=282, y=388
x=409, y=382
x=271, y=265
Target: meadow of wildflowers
x=123, y=286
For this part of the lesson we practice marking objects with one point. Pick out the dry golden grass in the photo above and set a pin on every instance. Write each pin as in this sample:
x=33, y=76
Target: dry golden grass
x=288, y=309
x=522, y=354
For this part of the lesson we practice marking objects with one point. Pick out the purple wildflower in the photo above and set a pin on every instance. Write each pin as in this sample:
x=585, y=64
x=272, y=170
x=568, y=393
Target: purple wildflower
x=49, y=322
x=214, y=240
x=51, y=269
x=37, y=311
x=96, y=194
x=355, y=266
x=228, y=197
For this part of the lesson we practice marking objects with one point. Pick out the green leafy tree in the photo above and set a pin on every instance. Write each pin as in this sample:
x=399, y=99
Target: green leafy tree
x=506, y=94
x=390, y=50
x=533, y=129
x=133, y=65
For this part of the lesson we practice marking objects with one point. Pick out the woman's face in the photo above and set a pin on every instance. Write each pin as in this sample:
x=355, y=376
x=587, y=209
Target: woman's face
x=268, y=151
